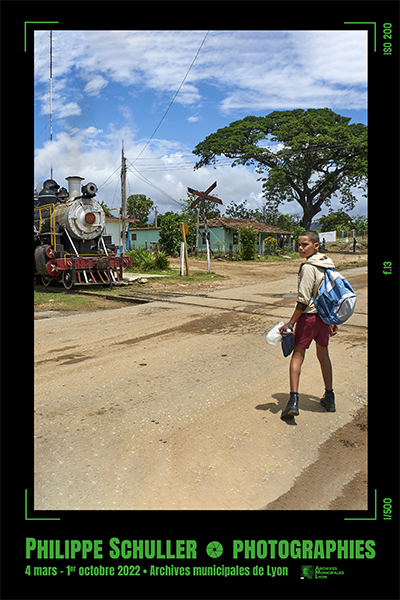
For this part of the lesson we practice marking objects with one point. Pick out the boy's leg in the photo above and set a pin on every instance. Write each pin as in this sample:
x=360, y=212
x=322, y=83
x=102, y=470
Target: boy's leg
x=295, y=367
x=328, y=401
x=292, y=408
x=326, y=365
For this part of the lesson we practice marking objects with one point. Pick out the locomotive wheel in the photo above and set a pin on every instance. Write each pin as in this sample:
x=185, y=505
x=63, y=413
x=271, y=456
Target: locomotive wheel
x=67, y=280
x=46, y=280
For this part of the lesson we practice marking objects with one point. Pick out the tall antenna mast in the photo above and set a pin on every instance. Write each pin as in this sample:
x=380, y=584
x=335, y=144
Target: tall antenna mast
x=51, y=98
x=123, y=199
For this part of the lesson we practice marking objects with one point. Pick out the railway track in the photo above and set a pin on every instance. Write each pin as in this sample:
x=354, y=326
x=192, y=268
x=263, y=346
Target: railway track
x=251, y=306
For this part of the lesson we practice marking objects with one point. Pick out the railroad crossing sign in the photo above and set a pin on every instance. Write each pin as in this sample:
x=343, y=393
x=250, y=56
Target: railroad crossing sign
x=204, y=195
x=184, y=227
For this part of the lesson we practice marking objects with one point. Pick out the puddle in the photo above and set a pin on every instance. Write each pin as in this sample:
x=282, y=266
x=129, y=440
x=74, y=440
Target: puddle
x=290, y=295
x=47, y=314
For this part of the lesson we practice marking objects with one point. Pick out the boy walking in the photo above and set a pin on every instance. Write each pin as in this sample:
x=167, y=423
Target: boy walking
x=309, y=325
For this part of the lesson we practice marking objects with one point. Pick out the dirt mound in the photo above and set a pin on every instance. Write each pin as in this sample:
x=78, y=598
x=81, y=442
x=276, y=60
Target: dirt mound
x=349, y=247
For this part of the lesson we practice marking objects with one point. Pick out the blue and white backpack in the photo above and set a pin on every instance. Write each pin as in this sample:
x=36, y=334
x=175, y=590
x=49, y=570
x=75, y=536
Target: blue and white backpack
x=336, y=300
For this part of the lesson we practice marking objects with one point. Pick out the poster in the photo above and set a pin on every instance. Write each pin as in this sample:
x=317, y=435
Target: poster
x=273, y=550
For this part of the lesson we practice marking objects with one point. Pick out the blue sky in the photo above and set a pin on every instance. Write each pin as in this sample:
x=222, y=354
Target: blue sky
x=114, y=85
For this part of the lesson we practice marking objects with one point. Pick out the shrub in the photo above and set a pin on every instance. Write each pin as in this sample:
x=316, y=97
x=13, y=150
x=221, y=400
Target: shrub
x=141, y=259
x=161, y=261
x=248, y=238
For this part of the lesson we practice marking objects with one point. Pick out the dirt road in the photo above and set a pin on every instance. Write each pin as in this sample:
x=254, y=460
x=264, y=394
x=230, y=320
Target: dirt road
x=176, y=404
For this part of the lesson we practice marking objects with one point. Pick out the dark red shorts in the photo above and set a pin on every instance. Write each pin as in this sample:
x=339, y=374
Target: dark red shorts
x=311, y=327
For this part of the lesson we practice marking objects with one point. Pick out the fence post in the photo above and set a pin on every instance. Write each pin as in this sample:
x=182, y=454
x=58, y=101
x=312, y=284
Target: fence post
x=182, y=258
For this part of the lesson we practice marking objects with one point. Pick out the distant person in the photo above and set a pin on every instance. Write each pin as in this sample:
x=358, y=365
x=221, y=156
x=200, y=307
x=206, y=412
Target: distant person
x=323, y=243
x=354, y=244
x=309, y=325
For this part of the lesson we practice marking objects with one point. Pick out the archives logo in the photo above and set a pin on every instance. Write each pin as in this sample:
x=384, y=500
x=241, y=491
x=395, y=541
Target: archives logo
x=307, y=572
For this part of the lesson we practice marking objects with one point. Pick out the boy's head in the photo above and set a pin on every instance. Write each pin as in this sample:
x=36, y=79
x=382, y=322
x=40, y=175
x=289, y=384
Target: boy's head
x=308, y=244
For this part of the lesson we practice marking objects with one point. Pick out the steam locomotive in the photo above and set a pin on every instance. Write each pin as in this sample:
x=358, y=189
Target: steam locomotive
x=70, y=244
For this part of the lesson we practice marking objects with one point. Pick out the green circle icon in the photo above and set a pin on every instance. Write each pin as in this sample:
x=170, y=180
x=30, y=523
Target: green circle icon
x=214, y=549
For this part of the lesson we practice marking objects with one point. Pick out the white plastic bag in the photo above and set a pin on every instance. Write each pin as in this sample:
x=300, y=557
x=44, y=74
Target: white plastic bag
x=273, y=336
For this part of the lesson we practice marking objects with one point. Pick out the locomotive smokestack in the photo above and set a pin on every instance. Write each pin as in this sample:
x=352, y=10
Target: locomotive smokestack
x=74, y=186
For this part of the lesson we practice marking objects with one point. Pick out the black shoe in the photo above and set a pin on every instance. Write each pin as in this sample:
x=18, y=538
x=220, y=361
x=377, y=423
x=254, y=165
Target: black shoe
x=328, y=401
x=292, y=409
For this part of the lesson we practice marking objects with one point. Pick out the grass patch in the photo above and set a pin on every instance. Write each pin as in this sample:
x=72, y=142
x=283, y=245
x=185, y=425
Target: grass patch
x=202, y=276
x=53, y=299
x=66, y=302
x=351, y=265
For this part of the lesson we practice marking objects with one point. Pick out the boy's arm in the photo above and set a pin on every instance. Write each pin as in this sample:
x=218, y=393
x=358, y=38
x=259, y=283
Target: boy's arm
x=295, y=316
x=306, y=285
x=300, y=308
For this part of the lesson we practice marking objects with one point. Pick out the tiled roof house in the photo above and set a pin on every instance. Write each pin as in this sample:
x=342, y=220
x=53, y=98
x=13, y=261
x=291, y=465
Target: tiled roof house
x=224, y=231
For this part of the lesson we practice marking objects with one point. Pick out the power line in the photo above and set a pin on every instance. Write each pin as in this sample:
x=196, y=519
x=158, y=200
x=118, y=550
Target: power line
x=105, y=184
x=172, y=101
x=152, y=166
x=139, y=175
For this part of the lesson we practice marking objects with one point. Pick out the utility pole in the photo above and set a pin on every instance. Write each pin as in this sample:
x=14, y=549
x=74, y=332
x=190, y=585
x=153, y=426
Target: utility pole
x=51, y=98
x=197, y=231
x=206, y=234
x=123, y=198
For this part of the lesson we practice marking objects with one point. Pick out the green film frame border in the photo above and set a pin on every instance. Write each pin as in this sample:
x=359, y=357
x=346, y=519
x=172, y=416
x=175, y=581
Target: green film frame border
x=33, y=23
x=364, y=23
x=36, y=518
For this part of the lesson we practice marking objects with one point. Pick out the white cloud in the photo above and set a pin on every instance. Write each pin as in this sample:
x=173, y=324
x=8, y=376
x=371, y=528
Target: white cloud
x=68, y=110
x=193, y=119
x=262, y=69
x=235, y=71
x=95, y=85
x=302, y=69
x=73, y=153
x=77, y=153
x=337, y=57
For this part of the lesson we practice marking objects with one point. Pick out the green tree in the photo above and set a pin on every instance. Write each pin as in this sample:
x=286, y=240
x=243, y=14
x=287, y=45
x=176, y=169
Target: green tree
x=104, y=206
x=360, y=222
x=170, y=235
x=139, y=207
x=272, y=216
x=323, y=155
x=248, y=238
x=265, y=214
x=297, y=231
x=240, y=211
x=336, y=221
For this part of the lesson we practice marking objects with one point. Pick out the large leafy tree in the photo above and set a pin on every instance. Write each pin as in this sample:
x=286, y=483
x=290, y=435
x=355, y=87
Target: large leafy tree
x=341, y=221
x=319, y=154
x=170, y=235
x=139, y=207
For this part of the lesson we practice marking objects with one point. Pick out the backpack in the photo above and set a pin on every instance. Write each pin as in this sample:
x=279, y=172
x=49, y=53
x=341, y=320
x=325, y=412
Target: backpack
x=336, y=298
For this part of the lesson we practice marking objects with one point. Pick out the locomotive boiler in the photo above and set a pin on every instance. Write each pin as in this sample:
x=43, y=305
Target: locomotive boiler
x=70, y=244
